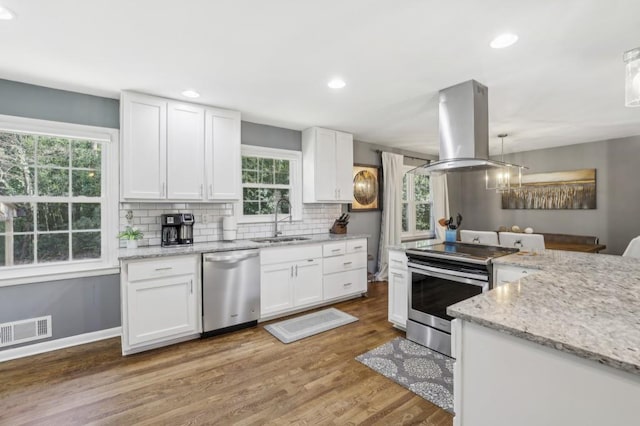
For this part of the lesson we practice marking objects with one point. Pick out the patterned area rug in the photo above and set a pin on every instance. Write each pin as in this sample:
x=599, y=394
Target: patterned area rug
x=422, y=371
x=307, y=325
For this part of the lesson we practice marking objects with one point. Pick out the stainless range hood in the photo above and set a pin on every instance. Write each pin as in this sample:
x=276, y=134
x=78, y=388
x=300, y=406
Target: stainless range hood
x=464, y=131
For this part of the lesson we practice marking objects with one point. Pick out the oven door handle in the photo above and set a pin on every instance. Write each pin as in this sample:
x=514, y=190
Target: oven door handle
x=451, y=276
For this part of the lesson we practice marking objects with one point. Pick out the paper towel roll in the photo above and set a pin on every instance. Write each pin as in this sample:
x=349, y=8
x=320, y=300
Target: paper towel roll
x=229, y=228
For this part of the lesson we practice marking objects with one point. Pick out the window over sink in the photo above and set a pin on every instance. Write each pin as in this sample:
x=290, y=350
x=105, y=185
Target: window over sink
x=269, y=174
x=417, y=219
x=58, y=197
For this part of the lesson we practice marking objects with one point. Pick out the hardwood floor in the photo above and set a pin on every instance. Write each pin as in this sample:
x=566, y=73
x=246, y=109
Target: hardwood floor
x=245, y=378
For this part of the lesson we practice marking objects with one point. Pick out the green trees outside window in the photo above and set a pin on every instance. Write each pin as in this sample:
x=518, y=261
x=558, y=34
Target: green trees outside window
x=50, y=199
x=264, y=181
x=416, y=204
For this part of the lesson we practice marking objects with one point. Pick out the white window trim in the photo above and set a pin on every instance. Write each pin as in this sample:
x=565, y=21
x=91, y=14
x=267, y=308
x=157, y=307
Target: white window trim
x=26, y=274
x=412, y=233
x=295, y=194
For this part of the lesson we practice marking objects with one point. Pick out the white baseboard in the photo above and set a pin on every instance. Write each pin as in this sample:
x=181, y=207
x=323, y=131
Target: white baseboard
x=53, y=345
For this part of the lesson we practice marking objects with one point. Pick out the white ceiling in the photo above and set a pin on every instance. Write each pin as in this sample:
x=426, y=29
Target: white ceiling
x=561, y=84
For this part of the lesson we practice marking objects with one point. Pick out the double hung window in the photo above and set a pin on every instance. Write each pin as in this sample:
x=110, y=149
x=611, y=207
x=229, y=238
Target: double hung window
x=267, y=175
x=55, y=206
x=416, y=205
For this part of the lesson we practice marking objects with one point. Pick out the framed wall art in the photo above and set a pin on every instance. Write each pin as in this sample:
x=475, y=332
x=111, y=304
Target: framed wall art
x=570, y=190
x=366, y=188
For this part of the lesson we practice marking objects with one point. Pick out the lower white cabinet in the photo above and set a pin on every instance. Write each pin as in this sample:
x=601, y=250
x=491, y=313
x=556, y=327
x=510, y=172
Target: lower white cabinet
x=398, y=288
x=345, y=268
x=160, y=302
x=290, y=278
x=503, y=274
x=297, y=277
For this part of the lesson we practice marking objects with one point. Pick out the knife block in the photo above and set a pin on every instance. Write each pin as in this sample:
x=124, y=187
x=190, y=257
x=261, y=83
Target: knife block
x=338, y=228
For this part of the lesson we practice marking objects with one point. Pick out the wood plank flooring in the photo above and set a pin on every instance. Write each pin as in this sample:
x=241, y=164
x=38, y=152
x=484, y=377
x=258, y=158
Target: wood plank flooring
x=245, y=378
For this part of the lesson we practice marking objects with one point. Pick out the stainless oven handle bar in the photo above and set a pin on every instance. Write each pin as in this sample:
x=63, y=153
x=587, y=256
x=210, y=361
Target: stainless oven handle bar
x=445, y=274
x=451, y=257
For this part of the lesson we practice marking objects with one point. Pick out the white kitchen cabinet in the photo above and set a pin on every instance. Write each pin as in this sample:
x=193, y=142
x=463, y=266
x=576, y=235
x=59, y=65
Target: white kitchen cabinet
x=503, y=274
x=144, y=146
x=344, y=268
x=398, y=288
x=160, y=302
x=290, y=279
x=327, y=166
x=177, y=151
x=223, y=161
x=185, y=152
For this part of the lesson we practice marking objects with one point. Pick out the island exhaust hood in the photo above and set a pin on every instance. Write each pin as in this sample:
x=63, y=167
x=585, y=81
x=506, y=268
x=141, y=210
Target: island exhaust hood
x=464, y=131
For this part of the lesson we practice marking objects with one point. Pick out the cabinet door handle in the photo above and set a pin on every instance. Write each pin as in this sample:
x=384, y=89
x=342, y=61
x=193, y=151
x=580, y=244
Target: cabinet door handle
x=335, y=250
x=524, y=272
x=309, y=260
x=347, y=284
x=201, y=190
x=296, y=270
x=191, y=286
x=162, y=193
x=347, y=263
x=395, y=274
x=210, y=191
x=357, y=247
x=292, y=271
x=164, y=269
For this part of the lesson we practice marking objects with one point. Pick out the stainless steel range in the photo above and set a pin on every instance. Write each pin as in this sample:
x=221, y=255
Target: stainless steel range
x=442, y=275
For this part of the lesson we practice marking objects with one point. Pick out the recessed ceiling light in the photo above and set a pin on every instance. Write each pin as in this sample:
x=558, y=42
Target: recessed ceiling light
x=503, y=40
x=191, y=94
x=336, y=83
x=6, y=14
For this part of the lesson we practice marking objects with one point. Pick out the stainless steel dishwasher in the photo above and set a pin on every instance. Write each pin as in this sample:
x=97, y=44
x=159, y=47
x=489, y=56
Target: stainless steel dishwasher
x=230, y=291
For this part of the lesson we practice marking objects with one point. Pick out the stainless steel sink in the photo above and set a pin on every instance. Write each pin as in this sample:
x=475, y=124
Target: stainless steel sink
x=279, y=239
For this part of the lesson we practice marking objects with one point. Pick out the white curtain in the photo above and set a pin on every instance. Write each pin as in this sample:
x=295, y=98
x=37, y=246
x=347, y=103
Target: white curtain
x=391, y=226
x=440, y=194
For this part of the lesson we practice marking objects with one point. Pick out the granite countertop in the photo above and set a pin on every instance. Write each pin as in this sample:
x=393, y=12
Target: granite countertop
x=581, y=303
x=157, y=251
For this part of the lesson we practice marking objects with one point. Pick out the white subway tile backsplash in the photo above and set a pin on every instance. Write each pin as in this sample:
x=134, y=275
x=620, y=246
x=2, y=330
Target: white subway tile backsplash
x=316, y=219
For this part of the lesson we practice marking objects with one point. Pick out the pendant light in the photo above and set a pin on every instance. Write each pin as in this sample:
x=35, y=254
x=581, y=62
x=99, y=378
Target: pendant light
x=632, y=77
x=500, y=181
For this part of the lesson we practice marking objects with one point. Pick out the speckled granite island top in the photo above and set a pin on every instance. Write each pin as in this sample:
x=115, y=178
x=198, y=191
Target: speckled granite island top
x=580, y=303
x=157, y=251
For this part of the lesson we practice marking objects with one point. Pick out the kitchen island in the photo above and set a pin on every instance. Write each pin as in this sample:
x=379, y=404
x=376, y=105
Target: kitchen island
x=561, y=346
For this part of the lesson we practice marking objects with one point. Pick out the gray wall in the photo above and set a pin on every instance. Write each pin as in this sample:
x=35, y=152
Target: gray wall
x=615, y=221
x=80, y=305
x=271, y=137
x=76, y=306
x=26, y=100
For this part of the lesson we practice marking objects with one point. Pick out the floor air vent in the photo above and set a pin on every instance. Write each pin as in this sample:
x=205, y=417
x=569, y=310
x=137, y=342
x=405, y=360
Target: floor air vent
x=12, y=333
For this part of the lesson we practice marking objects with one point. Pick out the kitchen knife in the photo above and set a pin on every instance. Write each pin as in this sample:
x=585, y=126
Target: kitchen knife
x=458, y=220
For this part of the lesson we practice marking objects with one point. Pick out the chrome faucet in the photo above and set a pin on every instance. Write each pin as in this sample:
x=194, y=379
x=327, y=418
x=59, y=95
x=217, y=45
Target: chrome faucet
x=275, y=218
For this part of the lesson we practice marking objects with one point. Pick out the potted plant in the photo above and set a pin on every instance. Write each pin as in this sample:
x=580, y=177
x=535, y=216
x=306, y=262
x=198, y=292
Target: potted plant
x=132, y=235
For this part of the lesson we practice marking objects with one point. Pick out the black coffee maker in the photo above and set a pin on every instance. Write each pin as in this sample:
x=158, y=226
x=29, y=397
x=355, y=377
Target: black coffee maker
x=177, y=229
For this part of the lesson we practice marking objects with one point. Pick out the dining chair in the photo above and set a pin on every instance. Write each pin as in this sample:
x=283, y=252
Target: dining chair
x=479, y=237
x=522, y=241
x=633, y=249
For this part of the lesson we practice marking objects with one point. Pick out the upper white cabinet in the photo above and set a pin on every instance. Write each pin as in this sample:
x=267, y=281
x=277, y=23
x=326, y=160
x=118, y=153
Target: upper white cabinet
x=144, y=146
x=327, y=166
x=222, y=154
x=185, y=152
x=179, y=151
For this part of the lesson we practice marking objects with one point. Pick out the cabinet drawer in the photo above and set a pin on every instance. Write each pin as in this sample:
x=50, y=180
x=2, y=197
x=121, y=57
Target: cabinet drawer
x=397, y=259
x=270, y=256
x=334, y=249
x=164, y=267
x=345, y=283
x=345, y=263
x=356, y=246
